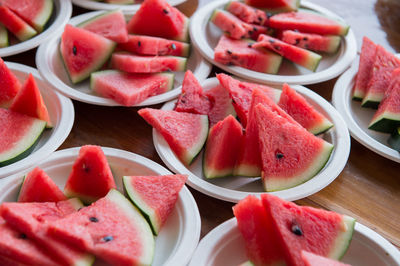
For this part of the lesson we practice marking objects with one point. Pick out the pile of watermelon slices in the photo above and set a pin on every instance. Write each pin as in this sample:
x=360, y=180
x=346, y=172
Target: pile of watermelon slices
x=377, y=85
x=46, y=228
x=280, y=28
x=128, y=62
x=275, y=138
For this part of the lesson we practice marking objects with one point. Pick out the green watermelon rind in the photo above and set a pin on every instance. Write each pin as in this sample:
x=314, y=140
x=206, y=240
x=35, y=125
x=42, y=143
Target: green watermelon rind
x=25, y=145
x=195, y=150
x=26, y=33
x=3, y=37
x=313, y=61
x=281, y=183
x=95, y=18
x=247, y=263
x=120, y=2
x=321, y=128
x=334, y=44
x=184, y=37
x=387, y=122
x=343, y=240
x=84, y=198
x=372, y=100
x=247, y=170
x=42, y=19
x=394, y=140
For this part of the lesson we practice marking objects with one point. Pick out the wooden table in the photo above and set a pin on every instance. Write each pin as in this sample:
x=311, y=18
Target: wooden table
x=367, y=189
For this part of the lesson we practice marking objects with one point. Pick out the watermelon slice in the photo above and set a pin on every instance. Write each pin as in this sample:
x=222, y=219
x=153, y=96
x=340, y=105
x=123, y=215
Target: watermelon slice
x=15, y=24
x=311, y=41
x=308, y=21
x=36, y=13
x=274, y=6
x=91, y=177
x=247, y=13
x=158, y=18
x=394, y=140
x=39, y=187
x=240, y=93
x=222, y=148
x=147, y=64
x=367, y=59
x=295, y=54
x=310, y=259
x=385, y=63
x=185, y=133
x=290, y=154
x=94, y=229
x=83, y=52
x=29, y=101
x=240, y=53
x=148, y=45
x=9, y=85
x=154, y=196
x=221, y=104
x=3, y=36
x=301, y=111
x=109, y=24
x=19, y=134
x=130, y=88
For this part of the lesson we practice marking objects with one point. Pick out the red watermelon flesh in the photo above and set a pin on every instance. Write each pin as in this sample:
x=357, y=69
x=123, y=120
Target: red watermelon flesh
x=240, y=53
x=185, y=133
x=303, y=112
x=311, y=41
x=300, y=56
x=39, y=187
x=240, y=92
x=158, y=18
x=290, y=155
x=148, y=45
x=222, y=148
x=247, y=13
x=110, y=24
x=221, y=104
x=15, y=24
x=394, y=81
x=308, y=21
x=367, y=59
x=4, y=261
x=130, y=88
x=300, y=228
x=310, y=259
x=91, y=177
x=256, y=228
x=155, y=196
x=275, y=5
x=9, y=85
x=29, y=101
x=111, y=228
x=192, y=99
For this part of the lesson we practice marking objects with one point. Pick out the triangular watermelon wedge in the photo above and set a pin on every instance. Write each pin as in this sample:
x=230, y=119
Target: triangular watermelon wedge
x=39, y=187
x=9, y=85
x=154, y=196
x=221, y=104
x=15, y=24
x=91, y=177
x=310, y=259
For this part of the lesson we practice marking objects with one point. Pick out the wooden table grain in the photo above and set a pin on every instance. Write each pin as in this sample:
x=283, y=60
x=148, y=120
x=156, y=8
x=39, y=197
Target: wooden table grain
x=367, y=189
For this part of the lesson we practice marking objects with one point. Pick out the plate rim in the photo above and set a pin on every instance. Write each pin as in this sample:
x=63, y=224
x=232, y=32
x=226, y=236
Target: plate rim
x=200, y=43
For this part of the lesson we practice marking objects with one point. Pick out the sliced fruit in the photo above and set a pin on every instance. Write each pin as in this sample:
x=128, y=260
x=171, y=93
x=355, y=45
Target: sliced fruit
x=158, y=18
x=310, y=259
x=29, y=101
x=240, y=53
x=311, y=41
x=154, y=196
x=185, y=133
x=275, y=5
x=304, y=113
x=39, y=187
x=94, y=229
x=148, y=45
x=3, y=36
x=394, y=140
x=19, y=134
x=121, y=2
x=130, y=88
x=147, y=64
x=247, y=13
x=290, y=155
x=83, y=52
x=295, y=54
x=15, y=24
x=110, y=25
x=9, y=85
x=222, y=148
x=221, y=104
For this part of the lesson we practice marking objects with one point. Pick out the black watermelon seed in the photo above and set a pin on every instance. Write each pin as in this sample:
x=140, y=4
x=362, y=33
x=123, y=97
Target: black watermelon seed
x=22, y=236
x=305, y=38
x=173, y=46
x=269, y=15
x=296, y=230
x=85, y=168
x=279, y=155
x=139, y=43
x=276, y=47
x=108, y=238
x=255, y=29
x=250, y=32
x=93, y=219
x=229, y=51
x=297, y=41
x=165, y=11
x=74, y=50
x=80, y=208
x=271, y=41
x=259, y=18
x=249, y=45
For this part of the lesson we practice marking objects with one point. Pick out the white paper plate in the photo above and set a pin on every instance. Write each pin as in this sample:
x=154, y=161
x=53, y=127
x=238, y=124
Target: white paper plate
x=127, y=9
x=61, y=113
x=236, y=188
x=205, y=36
x=61, y=14
x=358, y=118
x=179, y=236
x=224, y=246
x=50, y=66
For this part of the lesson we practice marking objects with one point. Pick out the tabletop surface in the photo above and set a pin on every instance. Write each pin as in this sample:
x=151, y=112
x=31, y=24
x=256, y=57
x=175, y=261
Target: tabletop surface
x=369, y=186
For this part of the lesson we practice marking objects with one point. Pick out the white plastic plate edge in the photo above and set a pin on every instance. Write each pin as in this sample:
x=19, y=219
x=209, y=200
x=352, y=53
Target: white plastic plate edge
x=61, y=129
x=189, y=235
x=209, y=245
x=64, y=11
x=335, y=165
x=200, y=20
x=43, y=62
